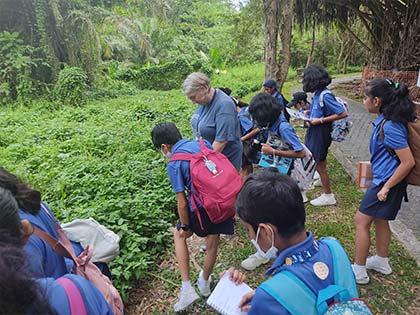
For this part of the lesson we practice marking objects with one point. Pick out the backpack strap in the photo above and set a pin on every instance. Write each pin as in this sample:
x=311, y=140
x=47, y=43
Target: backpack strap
x=291, y=293
x=382, y=136
x=76, y=304
x=321, y=101
x=343, y=273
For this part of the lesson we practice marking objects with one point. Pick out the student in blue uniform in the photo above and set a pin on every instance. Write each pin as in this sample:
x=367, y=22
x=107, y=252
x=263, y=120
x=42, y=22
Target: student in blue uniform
x=23, y=294
x=271, y=87
x=167, y=138
x=44, y=261
x=215, y=119
x=391, y=162
x=318, y=136
x=267, y=113
x=271, y=208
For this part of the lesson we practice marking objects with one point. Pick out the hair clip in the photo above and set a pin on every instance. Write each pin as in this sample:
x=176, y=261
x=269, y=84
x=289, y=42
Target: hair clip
x=389, y=81
x=396, y=85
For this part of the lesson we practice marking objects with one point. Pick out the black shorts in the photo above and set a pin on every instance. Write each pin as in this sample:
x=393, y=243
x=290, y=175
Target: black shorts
x=318, y=140
x=387, y=210
x=225, y=227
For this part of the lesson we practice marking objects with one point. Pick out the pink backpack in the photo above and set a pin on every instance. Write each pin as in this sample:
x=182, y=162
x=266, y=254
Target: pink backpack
x=76, y=304
x=82, y=265
x=215, y=183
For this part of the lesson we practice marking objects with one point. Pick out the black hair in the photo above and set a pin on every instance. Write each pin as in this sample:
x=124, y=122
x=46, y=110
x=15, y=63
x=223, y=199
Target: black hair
x=165, y=133
x=19, y=293
x=241, y=104
x=28, y=198
x=9, y=216
x=271, y=197
x=396, y=104
x=225, y=90
x=264, y=109
x=315, y=77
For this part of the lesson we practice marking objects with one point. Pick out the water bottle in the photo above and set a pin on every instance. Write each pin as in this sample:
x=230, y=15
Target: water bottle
x=211, y=166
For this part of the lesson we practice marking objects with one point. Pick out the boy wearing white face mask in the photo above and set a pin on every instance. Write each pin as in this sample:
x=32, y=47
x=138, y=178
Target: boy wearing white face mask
x=271, y=208
x=167, y=138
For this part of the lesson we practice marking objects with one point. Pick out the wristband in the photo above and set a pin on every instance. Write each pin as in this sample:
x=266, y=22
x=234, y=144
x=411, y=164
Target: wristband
x=322, y=120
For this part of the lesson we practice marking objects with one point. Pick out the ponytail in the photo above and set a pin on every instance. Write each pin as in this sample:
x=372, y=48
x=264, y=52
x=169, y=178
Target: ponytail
x=28, y=199
x=396, y=104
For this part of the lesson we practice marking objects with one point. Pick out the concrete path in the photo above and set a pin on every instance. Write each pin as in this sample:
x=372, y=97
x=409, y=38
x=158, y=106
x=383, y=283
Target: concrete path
x=355, y=148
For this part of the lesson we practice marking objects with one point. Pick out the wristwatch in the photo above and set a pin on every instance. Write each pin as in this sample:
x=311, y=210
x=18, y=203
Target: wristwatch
x=181, y=226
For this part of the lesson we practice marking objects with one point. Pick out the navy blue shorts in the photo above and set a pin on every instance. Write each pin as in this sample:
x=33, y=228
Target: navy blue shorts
x=387, y=210
x=318, y=140
x=225, y=227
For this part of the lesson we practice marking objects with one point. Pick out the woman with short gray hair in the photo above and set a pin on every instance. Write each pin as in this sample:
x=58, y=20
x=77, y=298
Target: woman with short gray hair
x=216, y=118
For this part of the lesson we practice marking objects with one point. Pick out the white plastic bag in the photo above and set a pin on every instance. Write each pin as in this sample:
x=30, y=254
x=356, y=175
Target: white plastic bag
x=105, y=243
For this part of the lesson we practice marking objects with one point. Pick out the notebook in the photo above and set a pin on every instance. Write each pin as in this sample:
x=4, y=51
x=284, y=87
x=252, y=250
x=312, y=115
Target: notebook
x=226, y=296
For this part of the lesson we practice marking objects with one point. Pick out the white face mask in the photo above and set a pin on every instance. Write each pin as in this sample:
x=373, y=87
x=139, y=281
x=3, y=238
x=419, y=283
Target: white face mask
x=271, y=253
x=167, y=155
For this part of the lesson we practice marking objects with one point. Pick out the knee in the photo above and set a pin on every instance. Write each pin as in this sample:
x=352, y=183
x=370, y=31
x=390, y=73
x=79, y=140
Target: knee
x=361, y=222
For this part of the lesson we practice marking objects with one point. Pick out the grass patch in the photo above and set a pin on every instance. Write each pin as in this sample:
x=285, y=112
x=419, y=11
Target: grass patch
x=394, y=294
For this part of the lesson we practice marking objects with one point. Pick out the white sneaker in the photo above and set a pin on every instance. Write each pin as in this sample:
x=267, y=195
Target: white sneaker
x=324, y=200
x=375, y=264
x=317, y=183
x=186, y=298
x=203, y=289
x=253, y=262
x=361, y=277
x=304, y=197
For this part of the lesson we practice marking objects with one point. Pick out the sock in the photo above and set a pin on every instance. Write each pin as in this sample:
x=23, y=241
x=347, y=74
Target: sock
x=329, y=195
x=186, y=285
x=359, y=270
x=382, y=260
x=202, y=282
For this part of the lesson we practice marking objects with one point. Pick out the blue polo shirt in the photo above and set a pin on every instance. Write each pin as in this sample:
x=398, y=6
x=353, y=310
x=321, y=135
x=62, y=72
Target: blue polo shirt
x=281, y=99
x=264, y=303
x=93, y=300
x=179, y=171
x=218, y=121
x=396, y=138
x=286, y=132
x=43, y=261
x=245, y=120
x=330, y=103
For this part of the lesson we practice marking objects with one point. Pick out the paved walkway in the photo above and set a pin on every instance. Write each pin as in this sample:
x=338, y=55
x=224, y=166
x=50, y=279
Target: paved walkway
x=355, y=148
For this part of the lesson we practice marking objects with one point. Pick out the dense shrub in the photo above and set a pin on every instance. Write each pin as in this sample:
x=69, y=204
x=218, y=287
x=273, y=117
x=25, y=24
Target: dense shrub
x=98, y=161
x=71, y=86
x=18, y=63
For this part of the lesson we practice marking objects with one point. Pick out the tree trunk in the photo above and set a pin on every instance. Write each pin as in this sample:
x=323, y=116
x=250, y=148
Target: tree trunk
x=311, y=53
x=286, y=9
x=271, y=11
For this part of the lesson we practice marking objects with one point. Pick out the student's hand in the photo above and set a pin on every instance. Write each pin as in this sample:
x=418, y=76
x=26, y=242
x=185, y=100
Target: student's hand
x=315, y=121
x=185, y=234
x=235, y=275
x=266, y=149
x=383, y=194
x=246, y=301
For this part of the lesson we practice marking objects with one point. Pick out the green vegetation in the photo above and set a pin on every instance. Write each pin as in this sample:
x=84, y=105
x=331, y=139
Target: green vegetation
x=123, y=46
x=395, y=294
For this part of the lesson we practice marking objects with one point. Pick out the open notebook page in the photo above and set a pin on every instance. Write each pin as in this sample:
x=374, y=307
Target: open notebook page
x=226, y=296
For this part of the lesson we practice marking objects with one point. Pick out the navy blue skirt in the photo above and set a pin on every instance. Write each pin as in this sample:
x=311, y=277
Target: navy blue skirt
x=387, y=210
x=318, y=140
x=208, y=227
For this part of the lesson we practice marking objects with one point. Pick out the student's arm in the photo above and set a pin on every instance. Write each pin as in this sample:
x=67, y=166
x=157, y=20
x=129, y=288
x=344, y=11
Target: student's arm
x=250, y=134
x=266, y=149
x=406, y=164
x=219, y=145
x=324, y=120
x=184, y=218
